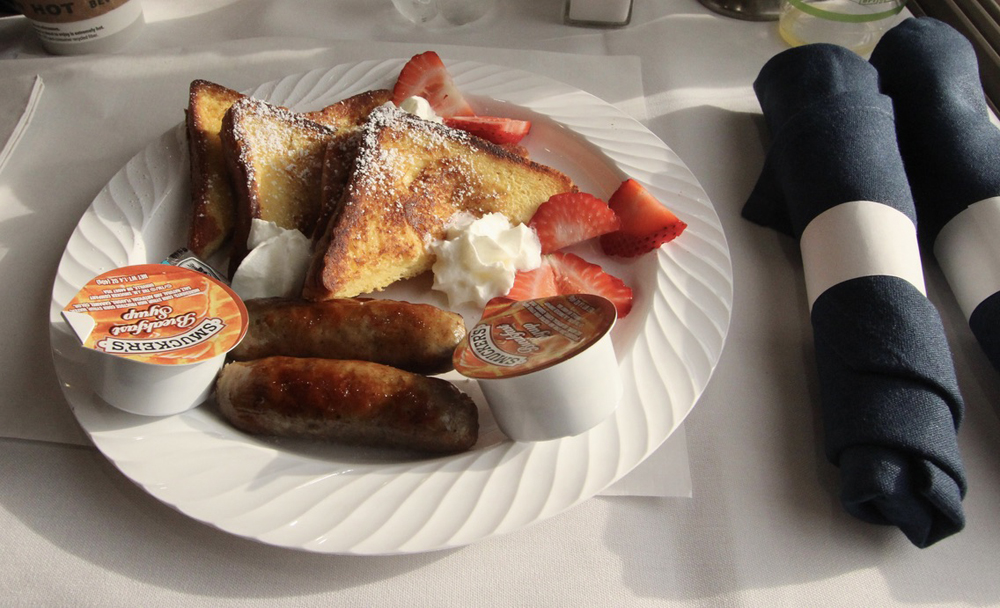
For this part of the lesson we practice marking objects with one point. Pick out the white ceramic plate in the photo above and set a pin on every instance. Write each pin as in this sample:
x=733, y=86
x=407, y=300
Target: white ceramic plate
x=332, y=499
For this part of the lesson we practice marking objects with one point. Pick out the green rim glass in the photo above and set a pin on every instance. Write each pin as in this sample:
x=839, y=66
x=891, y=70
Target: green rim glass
x=810, y=9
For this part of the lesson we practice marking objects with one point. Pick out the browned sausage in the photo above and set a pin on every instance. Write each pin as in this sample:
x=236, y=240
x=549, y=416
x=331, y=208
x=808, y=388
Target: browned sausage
x=416, y=337
x=355, y=402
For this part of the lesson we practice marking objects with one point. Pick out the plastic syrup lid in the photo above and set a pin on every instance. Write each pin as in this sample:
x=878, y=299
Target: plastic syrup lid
x=515, y=338
x=158, y=314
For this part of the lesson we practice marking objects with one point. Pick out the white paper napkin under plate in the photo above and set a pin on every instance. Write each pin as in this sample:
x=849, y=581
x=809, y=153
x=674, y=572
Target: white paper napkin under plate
x=18, y=101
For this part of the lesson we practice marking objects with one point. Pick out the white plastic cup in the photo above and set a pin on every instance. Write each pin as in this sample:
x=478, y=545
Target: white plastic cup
x=150, y=389
x=547, y=367
x=154, y=336
x=562, y=401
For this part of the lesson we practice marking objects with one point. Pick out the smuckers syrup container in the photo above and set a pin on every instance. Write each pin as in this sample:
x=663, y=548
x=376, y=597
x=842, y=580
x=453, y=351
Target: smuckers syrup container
x=546, y=366
x=156, y=335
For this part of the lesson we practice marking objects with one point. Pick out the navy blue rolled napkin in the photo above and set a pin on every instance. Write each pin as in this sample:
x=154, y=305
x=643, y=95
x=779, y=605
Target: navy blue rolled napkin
x=950, y=149
x=889, y=397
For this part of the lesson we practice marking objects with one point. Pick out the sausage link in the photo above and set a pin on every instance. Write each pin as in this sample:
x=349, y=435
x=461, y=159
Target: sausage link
x=415, y=337
x=356, y=402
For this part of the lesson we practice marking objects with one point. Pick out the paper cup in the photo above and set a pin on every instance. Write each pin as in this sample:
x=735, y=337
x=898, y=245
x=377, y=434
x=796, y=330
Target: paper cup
x=78, y=27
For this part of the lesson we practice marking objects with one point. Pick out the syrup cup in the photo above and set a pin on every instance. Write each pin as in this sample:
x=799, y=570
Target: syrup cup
x=155, y=336
x=547, y=367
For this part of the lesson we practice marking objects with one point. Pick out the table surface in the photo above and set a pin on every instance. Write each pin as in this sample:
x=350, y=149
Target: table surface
x=762, y=526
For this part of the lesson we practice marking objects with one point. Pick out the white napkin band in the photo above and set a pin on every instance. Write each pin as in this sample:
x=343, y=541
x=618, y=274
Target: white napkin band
x=968, y=250
x=859, y=239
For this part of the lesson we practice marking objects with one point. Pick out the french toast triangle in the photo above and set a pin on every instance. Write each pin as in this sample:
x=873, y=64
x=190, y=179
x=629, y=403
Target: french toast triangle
x=211, y=194
x=214, y=203
x=409, y=178
x=275, y=160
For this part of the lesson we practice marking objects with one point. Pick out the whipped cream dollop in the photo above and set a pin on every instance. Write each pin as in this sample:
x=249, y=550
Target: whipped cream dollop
x=420, y=107
x=277, y=262
x=478, y=258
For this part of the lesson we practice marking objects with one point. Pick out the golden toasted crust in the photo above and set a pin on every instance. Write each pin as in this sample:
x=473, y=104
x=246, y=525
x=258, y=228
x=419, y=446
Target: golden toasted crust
x=275, y=163
x=211, y=194
x=348, y=115
x=351, y=112
x=409, y=178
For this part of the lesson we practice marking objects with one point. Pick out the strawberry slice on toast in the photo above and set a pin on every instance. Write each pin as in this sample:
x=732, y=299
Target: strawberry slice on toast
x=645, y=223
x=425, y=75
x=572, y=217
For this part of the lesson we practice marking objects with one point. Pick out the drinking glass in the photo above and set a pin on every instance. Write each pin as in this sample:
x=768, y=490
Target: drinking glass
x=455, y=12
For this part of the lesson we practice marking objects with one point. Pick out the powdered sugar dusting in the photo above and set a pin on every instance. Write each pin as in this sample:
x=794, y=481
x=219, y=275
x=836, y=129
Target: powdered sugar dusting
x=274, y=143
x=379, y=167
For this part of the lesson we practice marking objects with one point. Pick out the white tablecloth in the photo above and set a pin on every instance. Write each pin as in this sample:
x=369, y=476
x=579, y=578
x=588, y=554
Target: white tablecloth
x=763, y=525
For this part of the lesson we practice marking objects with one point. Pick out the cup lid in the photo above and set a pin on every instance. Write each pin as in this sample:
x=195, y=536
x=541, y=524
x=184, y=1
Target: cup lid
x=520, y=337
x=157, y=313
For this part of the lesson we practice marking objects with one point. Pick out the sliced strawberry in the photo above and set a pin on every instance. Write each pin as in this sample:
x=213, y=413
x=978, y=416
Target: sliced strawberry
x=575, y=275
x=646, y=223
x=531, y=284
x=425, y=76
x=499, y=130
x=572, y=217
